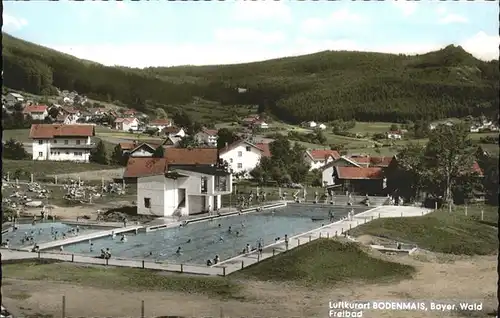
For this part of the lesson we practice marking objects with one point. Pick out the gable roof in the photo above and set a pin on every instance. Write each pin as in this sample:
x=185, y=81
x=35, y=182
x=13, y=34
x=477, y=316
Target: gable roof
x=143, y=145
x=171, y=130
x=332, y=164
x=35, y=109
x=143, y=167
x=210, y=132
x=127, y=145
x=381, y=161
x=350, y=173
x=125, y=120
x=41, y=131
x=191, y=156
x=322, y=154
x=236, y=144
x=266, y=152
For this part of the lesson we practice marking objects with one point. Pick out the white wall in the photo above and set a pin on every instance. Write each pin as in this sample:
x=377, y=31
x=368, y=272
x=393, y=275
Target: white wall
x=316, y=164
x=327, y=176
x=141, y=153
x=39, y=116
x=249, y=159
x=45, y=151
x=153, y=187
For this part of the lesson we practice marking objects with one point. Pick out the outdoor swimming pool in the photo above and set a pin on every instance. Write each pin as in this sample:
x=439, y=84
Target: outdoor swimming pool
x=205, y=237
x=41, y=233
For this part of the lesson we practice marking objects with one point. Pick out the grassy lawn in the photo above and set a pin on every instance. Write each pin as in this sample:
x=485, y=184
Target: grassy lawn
x=44, y=168
x=21, y=135
x=325, y=262
x=492, y=149
x=441, y=231
x=119, y=278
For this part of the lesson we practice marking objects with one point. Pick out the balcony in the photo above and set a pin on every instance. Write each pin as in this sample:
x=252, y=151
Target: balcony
x=72, y=146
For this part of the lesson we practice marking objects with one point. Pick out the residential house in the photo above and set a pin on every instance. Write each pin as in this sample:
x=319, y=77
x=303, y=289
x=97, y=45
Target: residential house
x=241, y=90
x=127, y=124
x=317, y=158
x=260, y=124
x=160, y=124
x=266, y=152
x=207, y=137
x=241, y=156
x=474, y=129
x=186, y=181
x=13, y=98
x=171, y=141
x=174, y=132
x=127, y=147
x=365, y=174
x=249, y=121
x=66, y=119
x=322, y=126
x=394, y=135
x=37, y=112
x=62, y=142
x=311, y=124
x=98, y=112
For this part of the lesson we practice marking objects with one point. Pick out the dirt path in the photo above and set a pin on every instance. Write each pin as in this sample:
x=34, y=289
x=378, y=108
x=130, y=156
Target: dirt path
x=438, y=278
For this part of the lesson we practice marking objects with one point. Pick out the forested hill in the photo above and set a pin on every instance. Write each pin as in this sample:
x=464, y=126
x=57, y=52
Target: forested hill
x=322, y=86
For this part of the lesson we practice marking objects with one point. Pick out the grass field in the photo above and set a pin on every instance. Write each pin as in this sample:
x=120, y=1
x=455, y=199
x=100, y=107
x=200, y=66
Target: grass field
x=131, y=279
x=370, y=128
x=21, y=135
x=44, y=168
x=441, y=231
x=325, y=262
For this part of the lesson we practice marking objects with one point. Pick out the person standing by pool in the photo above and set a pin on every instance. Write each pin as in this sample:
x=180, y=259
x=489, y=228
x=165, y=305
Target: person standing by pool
x=77, y=229
x=61, y=249
x=216, y=259
x=286, y=242
x=259, y=247
x=331, y=215
x=247, y=248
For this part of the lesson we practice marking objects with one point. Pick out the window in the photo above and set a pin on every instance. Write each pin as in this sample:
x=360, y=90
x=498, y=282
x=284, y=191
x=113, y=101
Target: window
x=78, y=142
x=55, y=141
x=240, y=154
x=231, y=160
x=40, y=154
x=79, y=154
x=248, y=148
x=66, y=142
x=240, y=165
x=67, y=152
x=58, y=152
x=40, y=142
x=147, y=203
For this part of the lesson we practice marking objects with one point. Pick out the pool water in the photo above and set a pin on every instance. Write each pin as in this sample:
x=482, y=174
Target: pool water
x=203, y=240
x=41, y=232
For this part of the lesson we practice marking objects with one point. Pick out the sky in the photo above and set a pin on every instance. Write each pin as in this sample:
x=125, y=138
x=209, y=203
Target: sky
x=165, y=33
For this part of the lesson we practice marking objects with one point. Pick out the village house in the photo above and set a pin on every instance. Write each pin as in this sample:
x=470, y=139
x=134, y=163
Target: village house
x=129, y=113
x=37, y=112
x=311, y=124
x=260, y=124
x=171, y=141
x=62, y=142
x=13, y=98
x=207, y=137
x=241, y=156
x=249, y=120
x=317, y=158
x=160, y=124
x=185, y=182
x=173, y=131
x=322, y=126
x=394, y=135
x=126, y=124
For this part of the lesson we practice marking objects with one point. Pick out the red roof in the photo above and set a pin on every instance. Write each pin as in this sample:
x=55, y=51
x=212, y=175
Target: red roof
x=124, y=120
x=360, y=160
x=322, y=154
x=41, y=131
x=395, y=132
x=266, y=152
x=160, y=122
x=35, y=109
x=171, y=130
x=359, y=173
x=476, y=168
x=143, y=167
x=210, y=132
x=191, y=156
x=380, y=161
x=127, y=145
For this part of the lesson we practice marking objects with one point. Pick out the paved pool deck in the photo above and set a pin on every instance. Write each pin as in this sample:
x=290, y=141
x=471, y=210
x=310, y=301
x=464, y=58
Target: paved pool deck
x=234, y=264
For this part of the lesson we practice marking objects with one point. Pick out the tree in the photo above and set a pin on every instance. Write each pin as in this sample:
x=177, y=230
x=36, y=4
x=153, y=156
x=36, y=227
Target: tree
x=224, y=136
x=394, y=127
x=182, y=119
x=159, y=152
x=421, y=129
x=160, y=113
x=118, y=158
x=14, y=150
x=188, y=142
x=98, y=154
x=53, y=112
x=449, y=155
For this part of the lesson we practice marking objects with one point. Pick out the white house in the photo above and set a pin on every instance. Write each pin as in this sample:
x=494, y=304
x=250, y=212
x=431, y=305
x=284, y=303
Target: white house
x=322, y=126
x=174, y=132
x=186, y=181
x=13, y=98
x=127, y=124
x=207, y=137
x=37, y=112
x=241, y=156
x=142, y=150
x=394, y=135
x=260, y=124
x=160, y=124
x=62, y=142
x=311, y=124
x=317, y=158
x=474, y=129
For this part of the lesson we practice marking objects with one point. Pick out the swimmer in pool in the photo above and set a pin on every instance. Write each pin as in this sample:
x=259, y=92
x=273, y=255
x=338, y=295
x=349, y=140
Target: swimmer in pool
x=91, y=249
x=237, y=233
x=188, y=241
x=178, y=252
x=124, y=238
x=221, y=239
x=242, y=224
x=219, y=225
x=229, y=230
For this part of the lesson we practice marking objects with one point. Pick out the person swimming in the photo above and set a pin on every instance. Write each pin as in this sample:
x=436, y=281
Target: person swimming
x=91, y=248
x=209, y=262
x=178, y=252
x=237, y=233
x=123, y=239
x=188, y=241
x=216, y=259
x=229, y=230
x=113, y=234
x=219, y=225
x=221, y=239
x=242, y=224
